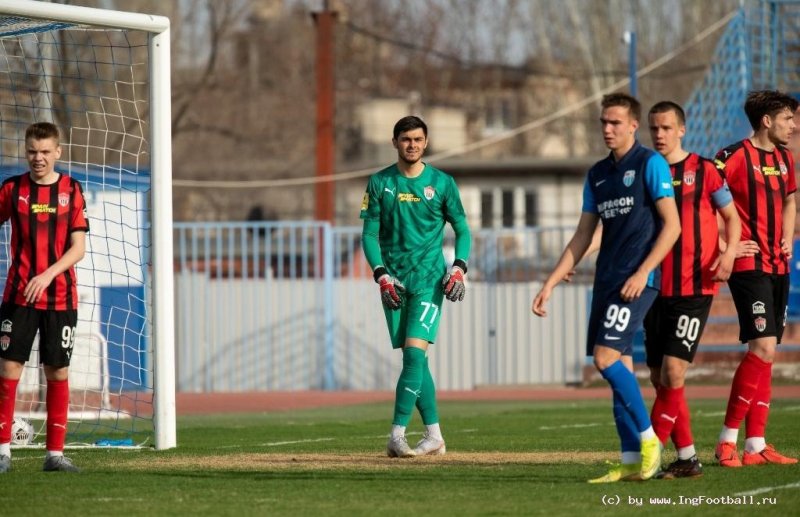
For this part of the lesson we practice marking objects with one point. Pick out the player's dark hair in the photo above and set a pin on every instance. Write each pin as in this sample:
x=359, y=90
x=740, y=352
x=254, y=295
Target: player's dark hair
x=407, y=124
x=767, y=102
x=667, y=106
x=42, y=131
x=624, y=100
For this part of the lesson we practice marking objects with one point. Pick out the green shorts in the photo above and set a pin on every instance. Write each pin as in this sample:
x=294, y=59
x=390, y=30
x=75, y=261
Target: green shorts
x=417, y=318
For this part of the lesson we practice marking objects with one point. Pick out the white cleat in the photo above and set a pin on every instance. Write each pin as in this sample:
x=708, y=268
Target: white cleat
x=398, y=448
x=429, y=446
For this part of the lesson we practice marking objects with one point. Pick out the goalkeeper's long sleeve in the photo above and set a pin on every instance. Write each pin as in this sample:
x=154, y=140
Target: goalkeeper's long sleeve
x=463, y=239
x=370, y=243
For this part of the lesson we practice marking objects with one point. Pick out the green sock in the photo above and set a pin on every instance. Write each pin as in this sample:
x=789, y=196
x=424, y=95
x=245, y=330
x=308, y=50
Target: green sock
x=426, y=403
x=408, y=385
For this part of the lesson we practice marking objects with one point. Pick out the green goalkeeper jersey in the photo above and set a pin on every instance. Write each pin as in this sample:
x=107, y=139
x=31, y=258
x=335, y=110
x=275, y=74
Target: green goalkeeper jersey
x=412, y=213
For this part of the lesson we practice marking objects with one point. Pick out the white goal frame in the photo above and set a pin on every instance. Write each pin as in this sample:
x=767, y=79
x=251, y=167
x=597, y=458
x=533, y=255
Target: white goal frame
x=163, y=324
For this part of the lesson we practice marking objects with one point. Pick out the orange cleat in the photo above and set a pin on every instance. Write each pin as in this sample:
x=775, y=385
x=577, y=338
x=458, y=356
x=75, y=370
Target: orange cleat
x=768, y=455
x=727, y=455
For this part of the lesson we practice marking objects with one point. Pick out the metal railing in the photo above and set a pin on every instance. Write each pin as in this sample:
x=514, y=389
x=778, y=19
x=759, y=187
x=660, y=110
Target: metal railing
x=292, y=305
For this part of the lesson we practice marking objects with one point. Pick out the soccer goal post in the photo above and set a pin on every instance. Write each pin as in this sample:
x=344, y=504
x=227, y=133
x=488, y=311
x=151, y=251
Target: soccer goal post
x=103, y=77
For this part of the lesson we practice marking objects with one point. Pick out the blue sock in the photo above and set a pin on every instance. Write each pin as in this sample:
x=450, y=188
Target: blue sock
x=626, y=429
x=624, y=384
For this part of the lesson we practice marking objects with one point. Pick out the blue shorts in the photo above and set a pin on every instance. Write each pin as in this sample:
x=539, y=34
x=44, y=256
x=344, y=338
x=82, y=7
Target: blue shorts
x=613, y=322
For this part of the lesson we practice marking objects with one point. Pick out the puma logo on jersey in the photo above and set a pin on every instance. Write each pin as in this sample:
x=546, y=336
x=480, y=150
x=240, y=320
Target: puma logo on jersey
x=24, y=199
x=744, y=400
x=427, y=327
x=416, y=393
x=688, y=345
x=389, y=191
x=667, y=417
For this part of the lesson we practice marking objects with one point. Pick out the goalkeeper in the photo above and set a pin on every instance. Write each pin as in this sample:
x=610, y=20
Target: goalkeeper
x=404, y=210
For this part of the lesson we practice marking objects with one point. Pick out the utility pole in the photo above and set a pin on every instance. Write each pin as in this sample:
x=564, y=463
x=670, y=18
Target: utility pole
x=630, y=39
x=324, y=201
x=323, y=190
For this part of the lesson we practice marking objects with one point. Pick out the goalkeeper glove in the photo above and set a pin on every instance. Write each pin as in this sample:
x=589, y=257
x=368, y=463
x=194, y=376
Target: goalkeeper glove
x=391, y=288
x=453, y=282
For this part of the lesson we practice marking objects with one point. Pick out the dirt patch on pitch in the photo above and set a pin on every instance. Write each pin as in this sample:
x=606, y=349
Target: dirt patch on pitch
x=257, y=461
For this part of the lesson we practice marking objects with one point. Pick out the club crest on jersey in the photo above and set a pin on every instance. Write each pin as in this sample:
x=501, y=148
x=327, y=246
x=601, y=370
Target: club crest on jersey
x=688, y=177
x=429, y=192
x=63, y=199
x=628, y=177
x=5, y=326
x=5, y=342
x=760, y=323
x=784, y=170
x=759, y=308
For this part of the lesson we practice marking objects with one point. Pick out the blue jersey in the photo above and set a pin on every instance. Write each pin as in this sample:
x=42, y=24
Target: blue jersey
x=624, y=195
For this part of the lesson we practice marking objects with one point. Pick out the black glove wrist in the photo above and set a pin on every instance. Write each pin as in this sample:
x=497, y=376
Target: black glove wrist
x=460, y=264
x=379, y=272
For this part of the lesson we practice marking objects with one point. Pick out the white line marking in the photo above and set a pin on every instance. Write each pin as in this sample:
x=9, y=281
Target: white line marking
x=569, y=426
x=275, y=444
x=710, y=413
x=768, y=489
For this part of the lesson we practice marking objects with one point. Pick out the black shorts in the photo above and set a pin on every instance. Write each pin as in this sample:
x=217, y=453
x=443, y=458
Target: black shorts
x=673, y=326
x=18, y=327
x=761, y=301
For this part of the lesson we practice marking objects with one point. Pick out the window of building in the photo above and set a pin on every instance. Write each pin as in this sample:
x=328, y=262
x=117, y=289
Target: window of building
x=508, y=208
x=531, y=209
x=487, y=209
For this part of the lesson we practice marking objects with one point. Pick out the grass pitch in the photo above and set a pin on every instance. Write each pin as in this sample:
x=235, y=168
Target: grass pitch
x=510, y=458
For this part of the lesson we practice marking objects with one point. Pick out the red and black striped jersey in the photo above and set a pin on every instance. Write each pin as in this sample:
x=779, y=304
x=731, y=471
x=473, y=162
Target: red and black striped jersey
x=43, y=218
x=760, y=181
x=686, y=270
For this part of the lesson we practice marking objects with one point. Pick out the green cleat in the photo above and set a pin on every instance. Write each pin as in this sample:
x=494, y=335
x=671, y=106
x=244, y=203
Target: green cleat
x=651, y=457
x=623, y=472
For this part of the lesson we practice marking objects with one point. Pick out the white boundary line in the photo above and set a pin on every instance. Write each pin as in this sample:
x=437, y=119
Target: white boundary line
x=767, y=489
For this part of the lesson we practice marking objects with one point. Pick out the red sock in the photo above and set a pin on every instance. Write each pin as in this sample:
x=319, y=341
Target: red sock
x=8, y=396
x=665, y=411
x=682, y=431
x=756, y=421
x=57, y=409
x=744, y=388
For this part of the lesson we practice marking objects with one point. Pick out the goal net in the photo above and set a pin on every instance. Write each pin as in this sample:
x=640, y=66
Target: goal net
x=103, y=78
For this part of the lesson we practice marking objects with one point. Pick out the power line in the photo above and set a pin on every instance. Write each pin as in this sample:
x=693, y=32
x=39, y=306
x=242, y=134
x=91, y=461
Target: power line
x=502, y=136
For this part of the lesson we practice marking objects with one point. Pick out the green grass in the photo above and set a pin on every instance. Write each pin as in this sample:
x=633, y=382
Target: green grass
x=234, y=465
